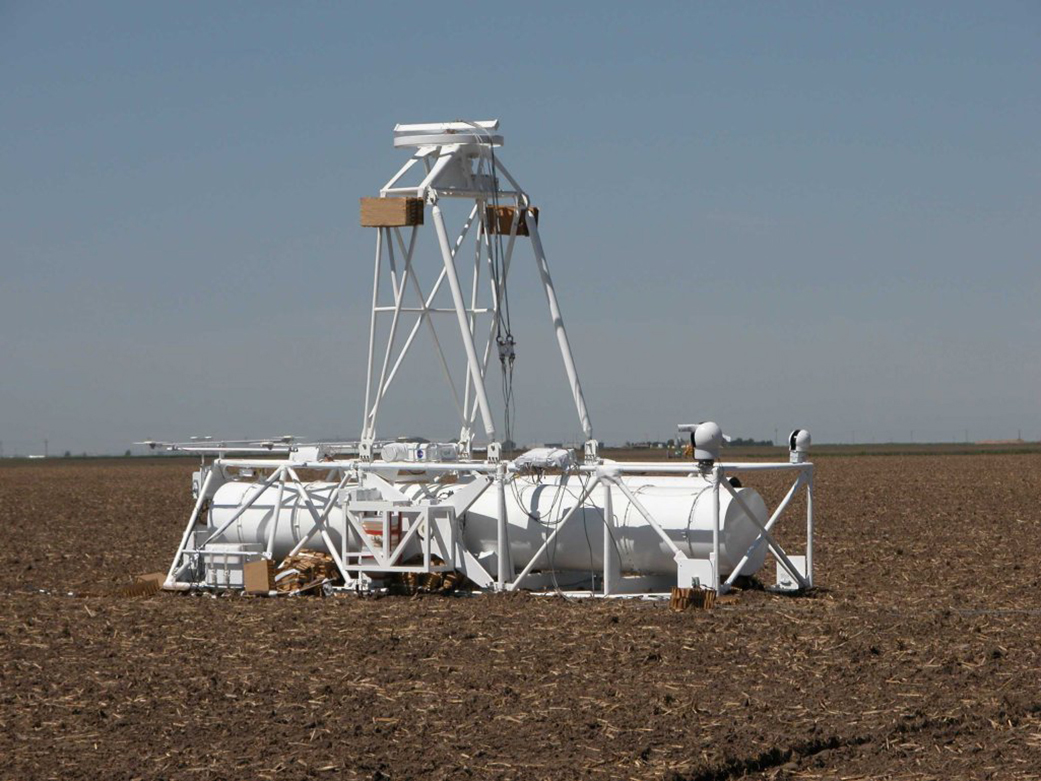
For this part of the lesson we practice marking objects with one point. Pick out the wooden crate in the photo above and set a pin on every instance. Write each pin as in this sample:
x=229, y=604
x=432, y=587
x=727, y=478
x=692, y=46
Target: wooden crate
x=696, y=598
x=500, y=218
x=391, y=212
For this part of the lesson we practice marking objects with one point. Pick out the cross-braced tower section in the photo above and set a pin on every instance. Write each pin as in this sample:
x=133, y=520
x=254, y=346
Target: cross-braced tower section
x=454, y=160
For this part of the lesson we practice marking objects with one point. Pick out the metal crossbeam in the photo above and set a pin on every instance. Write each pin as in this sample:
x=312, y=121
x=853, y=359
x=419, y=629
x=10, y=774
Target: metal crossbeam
x=242, y=508
x=549, y=540
x=329, y=504
x=767, y=527
x=775, y=548
x=319, y=520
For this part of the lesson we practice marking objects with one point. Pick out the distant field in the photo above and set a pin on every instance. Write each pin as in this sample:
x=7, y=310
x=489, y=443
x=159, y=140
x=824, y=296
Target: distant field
x=916, y=658
x=648, y=454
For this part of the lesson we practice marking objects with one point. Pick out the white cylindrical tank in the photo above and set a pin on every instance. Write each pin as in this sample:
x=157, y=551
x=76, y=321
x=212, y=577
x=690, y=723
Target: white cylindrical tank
x=682, y=506
x=294, y=520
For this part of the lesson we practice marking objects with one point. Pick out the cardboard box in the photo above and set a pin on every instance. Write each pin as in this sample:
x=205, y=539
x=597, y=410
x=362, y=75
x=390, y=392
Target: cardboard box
x=391, y=212
x=259, y=576
x=499, y=219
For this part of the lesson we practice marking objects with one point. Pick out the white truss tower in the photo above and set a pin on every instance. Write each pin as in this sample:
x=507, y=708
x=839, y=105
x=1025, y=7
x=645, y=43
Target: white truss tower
x=457, y=160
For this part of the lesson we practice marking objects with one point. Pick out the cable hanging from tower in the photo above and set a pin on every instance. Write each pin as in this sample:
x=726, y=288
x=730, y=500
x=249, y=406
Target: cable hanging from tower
x=503, y=329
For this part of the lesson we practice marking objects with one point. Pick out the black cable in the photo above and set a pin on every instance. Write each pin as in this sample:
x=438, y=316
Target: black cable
x=503, y=326
x=563, y=489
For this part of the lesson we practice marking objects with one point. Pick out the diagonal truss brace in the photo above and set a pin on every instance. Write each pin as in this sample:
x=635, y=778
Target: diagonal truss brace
x=764, y=533
x=447, y=174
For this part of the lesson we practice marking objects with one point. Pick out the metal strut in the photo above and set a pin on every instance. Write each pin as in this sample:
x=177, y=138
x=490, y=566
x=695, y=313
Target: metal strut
x=460, y=162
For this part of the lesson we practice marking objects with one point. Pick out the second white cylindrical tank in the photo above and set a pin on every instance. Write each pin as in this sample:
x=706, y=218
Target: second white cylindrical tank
x=682, y=506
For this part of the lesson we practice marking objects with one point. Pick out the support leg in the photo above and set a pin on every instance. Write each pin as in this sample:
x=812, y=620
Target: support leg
x=274, y=520
x=505, y=573
x=191, y=525
x=558, y=325
x=612, y=565
x=365, y=431
x=809, y=528
x=717, y=477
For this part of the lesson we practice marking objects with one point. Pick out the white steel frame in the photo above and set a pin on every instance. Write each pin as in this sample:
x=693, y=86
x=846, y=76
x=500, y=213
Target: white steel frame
x=458, y=162
x=447, y=539
x=456, y=159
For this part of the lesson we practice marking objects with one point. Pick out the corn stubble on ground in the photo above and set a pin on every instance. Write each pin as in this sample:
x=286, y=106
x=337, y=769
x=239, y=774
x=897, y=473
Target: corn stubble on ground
x=917, y=659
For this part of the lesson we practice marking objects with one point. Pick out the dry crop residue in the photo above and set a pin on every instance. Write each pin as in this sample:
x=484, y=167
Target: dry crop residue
x=917, y=658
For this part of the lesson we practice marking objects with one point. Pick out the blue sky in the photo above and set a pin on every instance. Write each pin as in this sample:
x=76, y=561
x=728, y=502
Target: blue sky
x=772, y=215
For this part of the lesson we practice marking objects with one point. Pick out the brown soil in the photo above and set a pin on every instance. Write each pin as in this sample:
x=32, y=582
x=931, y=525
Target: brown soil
x=918, y=657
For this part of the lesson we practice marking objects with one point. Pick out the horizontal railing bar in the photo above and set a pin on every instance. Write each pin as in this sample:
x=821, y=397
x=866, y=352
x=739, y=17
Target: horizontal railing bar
x=627, y=467
x=209, y=552
x=432, y=310
x=448, y=192
x=374, y=567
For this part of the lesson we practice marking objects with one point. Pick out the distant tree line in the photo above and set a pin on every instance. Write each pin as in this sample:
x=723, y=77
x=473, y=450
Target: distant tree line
x=675, y=443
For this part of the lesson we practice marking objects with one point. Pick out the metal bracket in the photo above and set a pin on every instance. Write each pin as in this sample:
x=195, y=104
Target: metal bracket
x=365, y=450
x=785, y=582
x=694, y=573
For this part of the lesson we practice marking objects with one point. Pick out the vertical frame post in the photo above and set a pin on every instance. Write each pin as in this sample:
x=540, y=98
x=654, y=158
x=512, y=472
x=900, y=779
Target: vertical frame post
x=612, y=566
x=274, y=520
x=809, y=527
x=505, y=573
x=365, y=430
x=428, y=533
x=205, y=489
x=717, y=477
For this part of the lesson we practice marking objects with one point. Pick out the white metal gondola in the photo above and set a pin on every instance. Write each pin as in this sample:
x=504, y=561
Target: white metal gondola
x=385, y=507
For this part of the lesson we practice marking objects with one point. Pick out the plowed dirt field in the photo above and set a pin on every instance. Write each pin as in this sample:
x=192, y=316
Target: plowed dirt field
x=918, y=657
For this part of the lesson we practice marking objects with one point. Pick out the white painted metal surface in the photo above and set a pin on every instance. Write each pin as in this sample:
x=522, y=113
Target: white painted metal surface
x=505, y=525
x=534, y=509
x=223, y=563
x=682, y=505
x=258, y=523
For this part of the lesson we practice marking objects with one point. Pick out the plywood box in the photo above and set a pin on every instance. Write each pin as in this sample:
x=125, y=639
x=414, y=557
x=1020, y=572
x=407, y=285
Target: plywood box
x=259, y=576
x=500, y=219
x=391, y=212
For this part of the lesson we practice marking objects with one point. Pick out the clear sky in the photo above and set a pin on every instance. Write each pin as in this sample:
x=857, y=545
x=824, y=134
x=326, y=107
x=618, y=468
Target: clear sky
x=812, y=214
